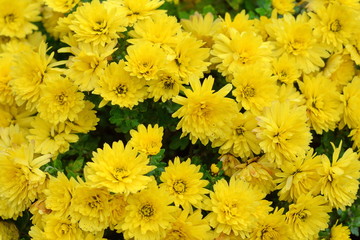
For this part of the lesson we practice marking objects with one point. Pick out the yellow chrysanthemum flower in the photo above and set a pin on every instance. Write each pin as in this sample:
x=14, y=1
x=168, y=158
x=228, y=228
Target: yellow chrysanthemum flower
x=339, y=178
x=241, y=23
x=283, y=6
x=283, y=131
x=118, y=87
x=299, y=177
x=117, y=204
x=12, y=137
x=96, y=23
x=334, y=24
x=351, y=101
x=190, y=57
x=229, y=164
x=294, y=37
x=254, y=88
x=60, y=100
x=61, y=228
x=340, y=232
x=324, y=108
x=289, y=93
x=88, y=63
x=234, y=52
x=308, y=216
x=272, y=226
x=30, y=70
x=205, y=114
x=50, y=21
x=6, y=94
x=49, y=138
x=340, y=68
x=258, y=173
x=148, y=214
x=188, y=226
x=236, y=207
x=136, y=10
x=285, y=70
x=182, y=180
x=11, y=115
x=242, y=141
x=158, y=28
x=144, y=60
x=90, y=207
x=147, y=140
x=59, y=193
x=17, y=17
x=23, y=165
x=165, y=85
x=8, y=231
x=62, y=6
x=202, y=27
x=86, y=120
x=118, y=168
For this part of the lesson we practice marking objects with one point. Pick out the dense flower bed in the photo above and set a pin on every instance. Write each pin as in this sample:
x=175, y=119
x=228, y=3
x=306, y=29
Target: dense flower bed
x=124, y=119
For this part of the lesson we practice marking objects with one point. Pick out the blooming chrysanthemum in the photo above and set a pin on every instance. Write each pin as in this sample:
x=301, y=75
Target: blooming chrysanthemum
x=61, y=228
x=148, y=214
x=62, y=6
x=299, y=177
x=236, y=207
x=50, y=21
x=308, y=216
x=272, y=226
x=147, y=140
x=294, y=37
x=88, y=63
x=205, y=114
x=17, y=17
x=242, y=141
x=118, y=168
x=283, y=131
x=96, y=23
x=135, y=10
x=60, y=100
x=144, y=60
x=165, y=85
x=289, y=93
x=188, y=226
x=334, y=24
x=254, y=88
x=182, y=180
x=11, y=115
x=86, y=120
x=22, y=165
x=283, y=6
x=351, y=101
x=49, y=138
x=118, y=87
x=6, y=94
x=190, y=57
x=323, y=104
x=202, y=27
x=285, y=70
x=59, y=192
x=8, y=231
x=90, y=207
x=339, y=177
x=31, y=71
x=159, y=28
x=258, y=173
x=240, y=49
x=12, y=137
x=340, y=68
x=241, y=23
x=340, y=232
x=117, y=204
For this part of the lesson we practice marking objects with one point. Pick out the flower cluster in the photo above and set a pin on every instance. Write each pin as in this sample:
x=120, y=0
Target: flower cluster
x=255, y=90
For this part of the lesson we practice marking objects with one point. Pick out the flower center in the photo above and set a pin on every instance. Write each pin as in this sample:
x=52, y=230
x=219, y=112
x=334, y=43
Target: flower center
x=100, y=26
x=94, y=201
x=61, y=98
x=146, y=210
x=248, y=92
x=335, y=26
x=121, y=89
x=268, y=233
x=179, y=186
x=240, y=130
x=10, y=18
x=168, y=82
x=120, y=173
x=176, y=234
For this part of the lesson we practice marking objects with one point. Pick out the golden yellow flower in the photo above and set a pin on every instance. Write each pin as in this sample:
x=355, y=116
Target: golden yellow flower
x=118, y=168
x=147, y=140
x=11, y=115
x=205, y=114
x=351, y=100
x=182, y=180
x=61, y=228
x=62, y=6
x=285, y=69
x=6, y=96
x=283, y=6
x=340, y=232
x=241, y=23
x=86, y=120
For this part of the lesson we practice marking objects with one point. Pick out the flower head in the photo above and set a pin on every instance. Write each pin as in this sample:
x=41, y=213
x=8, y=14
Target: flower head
x=182, y=180
x=147, y=140
x=340, y=232
x=118, y=168
x=205, y=114
x=62, y=6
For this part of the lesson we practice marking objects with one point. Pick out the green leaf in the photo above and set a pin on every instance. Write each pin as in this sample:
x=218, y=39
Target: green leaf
x=209, y=9
x=235, y=4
